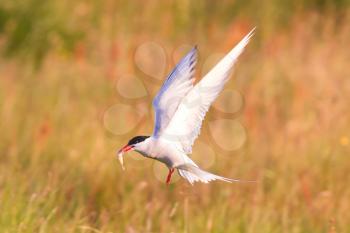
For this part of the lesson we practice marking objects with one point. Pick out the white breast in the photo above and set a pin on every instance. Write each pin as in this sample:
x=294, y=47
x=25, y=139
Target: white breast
x=164, y=151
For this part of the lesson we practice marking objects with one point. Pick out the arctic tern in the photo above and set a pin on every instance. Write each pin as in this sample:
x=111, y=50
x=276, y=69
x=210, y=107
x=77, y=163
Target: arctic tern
x=180, y=107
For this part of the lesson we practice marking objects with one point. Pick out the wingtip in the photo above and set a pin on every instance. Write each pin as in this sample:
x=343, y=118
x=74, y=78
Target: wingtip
x=251, y=33
x=194, y=52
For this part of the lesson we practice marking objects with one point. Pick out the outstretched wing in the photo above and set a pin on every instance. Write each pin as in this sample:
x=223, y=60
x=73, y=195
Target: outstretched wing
x=174, y=89
x=185, y=125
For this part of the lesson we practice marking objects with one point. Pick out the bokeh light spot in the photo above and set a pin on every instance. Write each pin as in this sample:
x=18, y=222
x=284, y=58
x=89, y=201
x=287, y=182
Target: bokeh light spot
x=150, y=58
x=228, y=134
x=130, y=87
x=203, y=154
x=121, y=119
x=229, y=101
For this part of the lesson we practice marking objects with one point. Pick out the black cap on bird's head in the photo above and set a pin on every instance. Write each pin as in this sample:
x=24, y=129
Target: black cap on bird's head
x=132, y=143
x=137, y=139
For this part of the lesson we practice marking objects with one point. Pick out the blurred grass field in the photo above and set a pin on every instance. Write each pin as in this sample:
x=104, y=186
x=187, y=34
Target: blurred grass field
x=59, y=72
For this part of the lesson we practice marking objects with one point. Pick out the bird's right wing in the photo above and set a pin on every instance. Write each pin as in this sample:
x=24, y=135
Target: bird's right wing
x=174, y=89
x=185, y=125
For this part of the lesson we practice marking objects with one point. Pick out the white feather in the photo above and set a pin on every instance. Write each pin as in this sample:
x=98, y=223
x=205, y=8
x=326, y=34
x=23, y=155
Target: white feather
x=186, y=122
x=195, y=174
x=174, y=89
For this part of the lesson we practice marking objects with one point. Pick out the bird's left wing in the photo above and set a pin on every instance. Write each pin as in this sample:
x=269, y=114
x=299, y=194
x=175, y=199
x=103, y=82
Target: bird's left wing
x=185, y=125
x=175, y=87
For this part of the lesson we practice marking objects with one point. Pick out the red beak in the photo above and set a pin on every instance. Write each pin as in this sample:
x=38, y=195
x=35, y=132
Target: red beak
x=126, y=148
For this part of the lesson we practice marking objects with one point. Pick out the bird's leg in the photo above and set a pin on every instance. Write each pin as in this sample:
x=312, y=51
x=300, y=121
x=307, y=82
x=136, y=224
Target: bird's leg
x=171, y=171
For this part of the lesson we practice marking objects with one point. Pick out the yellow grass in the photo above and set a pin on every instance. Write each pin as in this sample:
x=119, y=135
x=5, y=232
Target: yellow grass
x=58, y=171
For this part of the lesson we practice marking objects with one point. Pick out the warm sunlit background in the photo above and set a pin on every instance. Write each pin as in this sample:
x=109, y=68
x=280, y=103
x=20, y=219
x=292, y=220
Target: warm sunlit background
x=76, y=83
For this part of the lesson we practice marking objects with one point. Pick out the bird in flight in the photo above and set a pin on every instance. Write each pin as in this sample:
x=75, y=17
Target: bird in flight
x=180, y=107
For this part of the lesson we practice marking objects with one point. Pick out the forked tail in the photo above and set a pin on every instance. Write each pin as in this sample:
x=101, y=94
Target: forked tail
x=193, y=174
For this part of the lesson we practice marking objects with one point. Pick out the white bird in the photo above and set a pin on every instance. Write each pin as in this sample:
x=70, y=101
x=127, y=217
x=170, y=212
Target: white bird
x=180, y=107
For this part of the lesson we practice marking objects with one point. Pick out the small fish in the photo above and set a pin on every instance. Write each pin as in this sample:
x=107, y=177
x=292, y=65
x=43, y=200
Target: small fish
x=120, y=158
